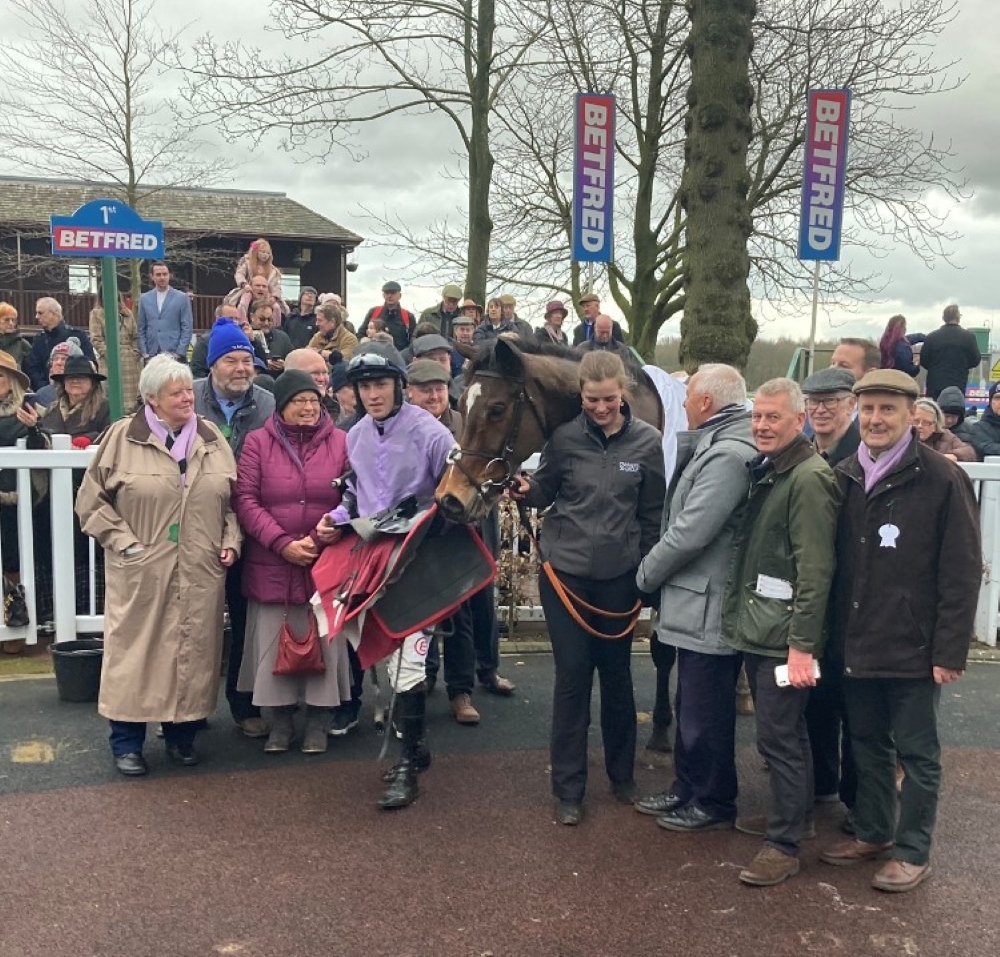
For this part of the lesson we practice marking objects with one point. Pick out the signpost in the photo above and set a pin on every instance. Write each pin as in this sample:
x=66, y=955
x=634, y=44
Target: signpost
x=108, y=229
x=593, y=181
x=823, y=180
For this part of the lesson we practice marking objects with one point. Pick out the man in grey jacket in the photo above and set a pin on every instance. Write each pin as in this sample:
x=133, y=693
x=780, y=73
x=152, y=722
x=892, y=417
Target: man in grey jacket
x=229, y=399
x=689, y=565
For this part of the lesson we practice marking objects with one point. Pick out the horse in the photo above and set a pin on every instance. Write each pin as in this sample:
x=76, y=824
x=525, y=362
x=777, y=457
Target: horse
x=518, y=393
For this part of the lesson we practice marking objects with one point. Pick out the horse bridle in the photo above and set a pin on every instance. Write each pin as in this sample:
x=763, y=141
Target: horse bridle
x=489, y=486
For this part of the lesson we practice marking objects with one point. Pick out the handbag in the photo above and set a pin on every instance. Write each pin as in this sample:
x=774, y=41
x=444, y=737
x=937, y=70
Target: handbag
x=299, y=657
x=15, y=605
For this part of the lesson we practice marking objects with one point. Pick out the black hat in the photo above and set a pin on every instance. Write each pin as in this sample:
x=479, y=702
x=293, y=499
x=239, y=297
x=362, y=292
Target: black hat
x=338, y=376
x=291, y=383
x=79, y=365
x=429, y=343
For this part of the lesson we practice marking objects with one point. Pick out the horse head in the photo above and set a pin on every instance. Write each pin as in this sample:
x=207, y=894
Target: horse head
x=513, y=400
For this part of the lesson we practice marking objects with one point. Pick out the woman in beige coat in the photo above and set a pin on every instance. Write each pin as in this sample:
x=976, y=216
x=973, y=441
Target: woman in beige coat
x=129, y=356
x=156, y=497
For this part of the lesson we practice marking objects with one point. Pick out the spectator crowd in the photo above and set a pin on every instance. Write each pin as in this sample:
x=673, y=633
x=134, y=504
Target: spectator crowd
x=825, y=542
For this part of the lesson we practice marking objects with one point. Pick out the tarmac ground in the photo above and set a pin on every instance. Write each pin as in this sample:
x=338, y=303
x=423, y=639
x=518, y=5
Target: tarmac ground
x=266, y=856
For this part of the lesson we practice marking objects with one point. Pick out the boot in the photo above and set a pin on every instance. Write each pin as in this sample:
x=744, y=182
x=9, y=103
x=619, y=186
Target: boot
x=317, y=722
x=282, y=729
x=744, y=700
x=403, y=789
x=660, y=739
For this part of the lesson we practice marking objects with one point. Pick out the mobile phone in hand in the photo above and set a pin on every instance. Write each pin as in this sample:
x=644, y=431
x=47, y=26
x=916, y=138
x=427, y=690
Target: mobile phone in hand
x=30, y=400
x=782, y=680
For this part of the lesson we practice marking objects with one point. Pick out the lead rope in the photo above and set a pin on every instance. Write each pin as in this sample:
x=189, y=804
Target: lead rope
x=570, y=600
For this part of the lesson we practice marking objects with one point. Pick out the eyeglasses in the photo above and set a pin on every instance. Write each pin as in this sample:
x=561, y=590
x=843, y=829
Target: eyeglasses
x=826, y=402
x=304, y=400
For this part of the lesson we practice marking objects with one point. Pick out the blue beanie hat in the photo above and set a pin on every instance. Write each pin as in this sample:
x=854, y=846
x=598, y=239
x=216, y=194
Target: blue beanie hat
x=226, y=337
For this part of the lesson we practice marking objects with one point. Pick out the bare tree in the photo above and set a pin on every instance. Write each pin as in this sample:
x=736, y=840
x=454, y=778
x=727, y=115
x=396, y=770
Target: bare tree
x=85, y=96
x=717, y=324
x=883, y=52
x=380, y=58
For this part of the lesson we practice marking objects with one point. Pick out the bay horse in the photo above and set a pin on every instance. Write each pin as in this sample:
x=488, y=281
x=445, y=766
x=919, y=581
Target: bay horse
x=517, y=393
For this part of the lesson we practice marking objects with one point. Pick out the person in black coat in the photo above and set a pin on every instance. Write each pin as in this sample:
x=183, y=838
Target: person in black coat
x=948, y=354
x=984, y=434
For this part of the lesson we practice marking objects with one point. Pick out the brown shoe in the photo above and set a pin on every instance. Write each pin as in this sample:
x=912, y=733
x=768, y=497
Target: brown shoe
x=254, y=727
x=770, y=867
x=499, y=685
x=461, y=708
x=854, y=852
x=899, y=876
x=756, y=824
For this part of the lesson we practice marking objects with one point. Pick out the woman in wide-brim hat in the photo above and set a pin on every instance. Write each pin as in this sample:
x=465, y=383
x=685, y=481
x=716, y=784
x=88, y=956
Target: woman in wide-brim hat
x=19, y=420
x=81, y=406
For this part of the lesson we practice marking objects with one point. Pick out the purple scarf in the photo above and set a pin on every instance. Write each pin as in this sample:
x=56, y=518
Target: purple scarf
x=877, y=469
x=177, y=445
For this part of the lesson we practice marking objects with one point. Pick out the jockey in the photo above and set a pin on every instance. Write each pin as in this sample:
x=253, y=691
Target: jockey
x=397, y=451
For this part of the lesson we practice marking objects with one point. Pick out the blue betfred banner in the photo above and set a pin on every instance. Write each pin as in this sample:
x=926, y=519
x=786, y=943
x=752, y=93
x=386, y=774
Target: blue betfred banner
x=593, y=178
x=824, y=175
x=107, y=227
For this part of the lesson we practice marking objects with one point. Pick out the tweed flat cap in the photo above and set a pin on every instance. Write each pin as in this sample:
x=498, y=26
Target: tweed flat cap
x=833, y=379
x=424, y=371
x=888, y=380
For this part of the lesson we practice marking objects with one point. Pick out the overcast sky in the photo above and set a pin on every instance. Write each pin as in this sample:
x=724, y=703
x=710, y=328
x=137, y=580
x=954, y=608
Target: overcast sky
x=405, y=173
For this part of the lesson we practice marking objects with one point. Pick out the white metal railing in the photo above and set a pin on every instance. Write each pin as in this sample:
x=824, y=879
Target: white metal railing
x=62, y=459
x=59, y=462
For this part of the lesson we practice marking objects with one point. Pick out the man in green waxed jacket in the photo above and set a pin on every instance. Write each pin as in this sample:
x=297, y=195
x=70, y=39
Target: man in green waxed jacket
x=775, y=609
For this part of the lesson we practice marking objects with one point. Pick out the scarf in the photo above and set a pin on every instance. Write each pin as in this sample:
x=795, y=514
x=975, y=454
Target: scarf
x=877, y=469
x=178, y=444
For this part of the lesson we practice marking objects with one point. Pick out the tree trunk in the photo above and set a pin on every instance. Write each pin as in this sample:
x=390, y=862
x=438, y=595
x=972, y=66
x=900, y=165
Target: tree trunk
x=717, y=324
x=480, y=155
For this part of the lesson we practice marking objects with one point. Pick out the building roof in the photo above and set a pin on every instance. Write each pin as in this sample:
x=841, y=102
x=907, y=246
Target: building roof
x=29, y=201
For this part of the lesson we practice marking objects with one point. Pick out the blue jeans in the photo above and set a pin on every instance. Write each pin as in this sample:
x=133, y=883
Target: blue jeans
x=127, y=737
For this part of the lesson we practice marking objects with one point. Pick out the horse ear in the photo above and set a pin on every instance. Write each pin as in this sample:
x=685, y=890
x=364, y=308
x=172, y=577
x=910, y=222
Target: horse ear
x=466, y=352
x=508, y=357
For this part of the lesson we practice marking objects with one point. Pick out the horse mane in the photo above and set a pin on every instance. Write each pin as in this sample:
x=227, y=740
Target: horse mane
x=485, y=357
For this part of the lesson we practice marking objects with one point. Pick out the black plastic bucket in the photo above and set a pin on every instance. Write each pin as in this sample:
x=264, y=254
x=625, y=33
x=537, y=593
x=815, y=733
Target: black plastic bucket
x=77, y=665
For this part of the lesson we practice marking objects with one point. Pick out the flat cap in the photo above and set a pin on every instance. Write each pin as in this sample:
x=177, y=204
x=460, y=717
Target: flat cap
x=833, y=379
x=888, y=380
x=424, y=344
x=507, y=300
x=451, y=291
x=589, y=297
x=463, y=320
x=391, y=286
x=424, y=371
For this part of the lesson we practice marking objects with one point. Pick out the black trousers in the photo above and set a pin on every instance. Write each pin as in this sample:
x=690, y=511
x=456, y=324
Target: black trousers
x=829, y=735
x=705, y=748
x=893, y=717
x=663, y=656
x=577, y=654
x=459, y=655
x=241, y=704
x=783, y=741
x=485, y=633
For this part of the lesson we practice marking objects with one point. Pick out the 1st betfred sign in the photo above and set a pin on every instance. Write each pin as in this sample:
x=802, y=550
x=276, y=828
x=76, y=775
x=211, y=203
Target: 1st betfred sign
x=106, y=227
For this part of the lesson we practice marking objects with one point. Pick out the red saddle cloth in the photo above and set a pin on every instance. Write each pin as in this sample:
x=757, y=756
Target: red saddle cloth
x=354, y=575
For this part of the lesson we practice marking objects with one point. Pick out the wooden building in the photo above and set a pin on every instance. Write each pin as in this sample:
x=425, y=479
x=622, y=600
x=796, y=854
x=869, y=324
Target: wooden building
x=206, y=233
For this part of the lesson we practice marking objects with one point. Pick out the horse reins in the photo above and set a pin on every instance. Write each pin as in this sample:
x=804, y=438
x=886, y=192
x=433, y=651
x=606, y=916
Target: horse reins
x=507, y=447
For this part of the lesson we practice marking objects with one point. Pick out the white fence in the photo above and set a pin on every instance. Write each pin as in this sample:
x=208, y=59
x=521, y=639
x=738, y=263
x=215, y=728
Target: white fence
x=67, y=624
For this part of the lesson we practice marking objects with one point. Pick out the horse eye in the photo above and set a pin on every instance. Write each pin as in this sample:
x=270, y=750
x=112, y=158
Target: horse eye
x=496, y=412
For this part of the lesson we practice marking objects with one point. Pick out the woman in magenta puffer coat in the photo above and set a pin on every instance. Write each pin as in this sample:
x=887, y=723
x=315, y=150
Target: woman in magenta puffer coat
x=283, y=489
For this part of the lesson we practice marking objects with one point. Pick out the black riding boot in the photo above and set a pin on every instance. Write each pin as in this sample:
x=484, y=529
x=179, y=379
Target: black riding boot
x=403, y=789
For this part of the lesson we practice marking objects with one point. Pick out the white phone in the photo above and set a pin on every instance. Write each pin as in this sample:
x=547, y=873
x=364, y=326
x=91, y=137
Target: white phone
x=781, y=674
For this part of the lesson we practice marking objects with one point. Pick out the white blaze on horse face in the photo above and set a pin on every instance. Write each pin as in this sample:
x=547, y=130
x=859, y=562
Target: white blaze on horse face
x=471, y=395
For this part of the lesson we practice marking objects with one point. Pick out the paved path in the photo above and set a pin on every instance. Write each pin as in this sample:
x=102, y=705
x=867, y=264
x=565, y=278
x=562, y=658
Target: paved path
x=267, y=857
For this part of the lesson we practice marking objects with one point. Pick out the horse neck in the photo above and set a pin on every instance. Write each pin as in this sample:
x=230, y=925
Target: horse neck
x=554, y=387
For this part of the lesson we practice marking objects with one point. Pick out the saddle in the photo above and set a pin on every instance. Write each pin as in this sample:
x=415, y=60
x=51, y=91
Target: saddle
x=394, y=574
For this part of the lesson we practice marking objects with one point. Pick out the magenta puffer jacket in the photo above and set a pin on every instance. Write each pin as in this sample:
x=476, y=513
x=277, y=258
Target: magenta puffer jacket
x=282, y=491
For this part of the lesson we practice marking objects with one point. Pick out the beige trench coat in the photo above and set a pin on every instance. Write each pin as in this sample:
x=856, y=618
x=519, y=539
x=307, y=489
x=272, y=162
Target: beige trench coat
x=163, y=608
x=129, y=356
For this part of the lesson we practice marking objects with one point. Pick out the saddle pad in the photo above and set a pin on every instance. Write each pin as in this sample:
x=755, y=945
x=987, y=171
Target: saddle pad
x=447, y=570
